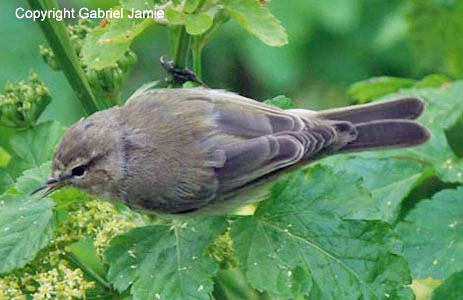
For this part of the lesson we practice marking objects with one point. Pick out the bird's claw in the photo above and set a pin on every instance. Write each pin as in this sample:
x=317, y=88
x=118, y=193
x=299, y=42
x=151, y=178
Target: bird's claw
x=180, y=75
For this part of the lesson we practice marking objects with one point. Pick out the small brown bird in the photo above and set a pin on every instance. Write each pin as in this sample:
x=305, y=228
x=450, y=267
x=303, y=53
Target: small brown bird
x=182, y=150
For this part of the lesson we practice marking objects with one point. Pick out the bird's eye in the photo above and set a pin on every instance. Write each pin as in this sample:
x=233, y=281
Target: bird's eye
x=79, y=171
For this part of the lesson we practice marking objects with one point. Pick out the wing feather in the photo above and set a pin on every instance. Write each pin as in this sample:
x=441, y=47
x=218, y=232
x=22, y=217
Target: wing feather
x=244, y=140
x=269, y=139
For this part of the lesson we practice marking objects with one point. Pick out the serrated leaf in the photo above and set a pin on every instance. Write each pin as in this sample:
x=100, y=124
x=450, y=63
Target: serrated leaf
x=26, y=225
x=257, y=20
x=346, y=194
x=105, y=45
x=389, y=180
x=198, y=23
x=281, y=101
x=376, y=87
x=33, y=147
x=4, y=157
x=450, y=289
x=433, y=235
x=168, y=262
x=298, y=243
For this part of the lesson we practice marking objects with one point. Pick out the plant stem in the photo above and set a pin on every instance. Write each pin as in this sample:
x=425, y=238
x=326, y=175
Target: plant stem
x=182, y=47
x=90, y=272
x=200, y=41
x=197, y=50
x=57, y=36
x=232, y=284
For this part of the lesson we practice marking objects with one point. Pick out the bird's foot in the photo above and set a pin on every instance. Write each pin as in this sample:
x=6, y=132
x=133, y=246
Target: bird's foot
x=179, y=75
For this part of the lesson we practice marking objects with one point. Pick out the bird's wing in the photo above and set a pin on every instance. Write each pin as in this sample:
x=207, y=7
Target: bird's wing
x=215, y=143
x=258, y=139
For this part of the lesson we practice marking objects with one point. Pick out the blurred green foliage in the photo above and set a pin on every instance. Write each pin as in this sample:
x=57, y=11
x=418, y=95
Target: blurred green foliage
x=328, y=50
x=435, y=33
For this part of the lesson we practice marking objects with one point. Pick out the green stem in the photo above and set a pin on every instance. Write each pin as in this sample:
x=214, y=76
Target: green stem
x=90, y=272
x=197, y=50
x=232, y=284
x=200, y=41
x=182, y=47
x=57, y=36
x=200, y=5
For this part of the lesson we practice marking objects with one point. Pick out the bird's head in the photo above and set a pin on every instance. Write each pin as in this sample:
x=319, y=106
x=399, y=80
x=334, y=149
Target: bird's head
x=84, y=158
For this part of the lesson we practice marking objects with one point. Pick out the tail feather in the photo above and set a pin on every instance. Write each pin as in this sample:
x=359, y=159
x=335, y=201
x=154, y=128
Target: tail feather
x=378, y=125
x=406, y=108
x=386, y=134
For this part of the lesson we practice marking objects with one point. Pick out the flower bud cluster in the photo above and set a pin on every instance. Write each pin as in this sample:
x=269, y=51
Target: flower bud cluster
x=37, y=282
x=223, y=251
x=77, y=34
x=22, y=104
x=50, y=275
x=110, y=81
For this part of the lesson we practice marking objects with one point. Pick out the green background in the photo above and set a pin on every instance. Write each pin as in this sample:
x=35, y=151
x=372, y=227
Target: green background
x=332, y=44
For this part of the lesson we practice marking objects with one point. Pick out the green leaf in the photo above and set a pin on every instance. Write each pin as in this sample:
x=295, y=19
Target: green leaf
x=167, y=262
x=346, y=194
x=376, y=87
x=454, y=136
x=281, y=101
x=104, y=46
x=4, y=157
x=198, y=24
x=34, y=146
x=174, y=17
x=389, y=180
x=450, y=289
x=6, y=180
x=433, y=80
x=433, y=235
x=30, y=148
x=26, y=225
x=232, y=284
x=298, y=243
x=85, y=256
x=190, y=6
x=257, y=20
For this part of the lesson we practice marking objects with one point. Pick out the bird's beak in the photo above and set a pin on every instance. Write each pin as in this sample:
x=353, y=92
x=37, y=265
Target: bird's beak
x=50, y=186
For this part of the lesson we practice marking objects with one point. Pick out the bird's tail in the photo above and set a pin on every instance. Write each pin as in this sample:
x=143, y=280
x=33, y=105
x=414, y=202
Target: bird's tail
x=381, y=125
x=387, y=134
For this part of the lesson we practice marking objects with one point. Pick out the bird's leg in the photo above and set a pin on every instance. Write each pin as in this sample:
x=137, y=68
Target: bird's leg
x=180, y=75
